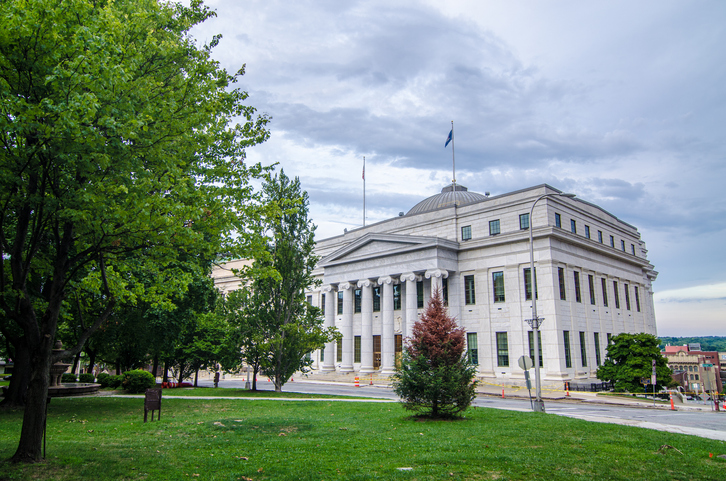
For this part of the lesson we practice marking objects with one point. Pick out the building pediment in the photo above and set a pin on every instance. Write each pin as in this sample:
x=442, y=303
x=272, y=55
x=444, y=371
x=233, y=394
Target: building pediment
x=372, y=246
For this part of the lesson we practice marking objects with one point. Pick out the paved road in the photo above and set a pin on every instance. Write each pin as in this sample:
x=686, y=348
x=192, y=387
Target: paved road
x=705, y=424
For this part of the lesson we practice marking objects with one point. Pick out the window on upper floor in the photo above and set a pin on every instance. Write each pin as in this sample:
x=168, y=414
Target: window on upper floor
x=396, y=297
x=563, y=287
x=322, y=304
x=494, y=227
x=377, y=299
x=357, y=300
x=558, y=220
x=599, y=236
x=617, y=294
x=466, y=233
x=605, y=296
x=445, y=290
x=498, y=283
x=627, y=296
x=340, y=302
x=469, y=290
x=612, y=241
x=587, y=231
x=309, y=300
x=419, y=295
x=578, y=293
x=573, y=226
x=524, y=221
x=528, y=284
x=622, y=245
x=637, y=299
x=632, y=248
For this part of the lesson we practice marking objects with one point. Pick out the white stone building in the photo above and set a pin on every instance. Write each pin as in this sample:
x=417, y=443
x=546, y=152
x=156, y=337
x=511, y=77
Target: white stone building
x=592, y=274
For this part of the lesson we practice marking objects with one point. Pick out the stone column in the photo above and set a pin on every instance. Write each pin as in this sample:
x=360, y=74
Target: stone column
x=388, y=355
x=329, y=351
x=366, y=342
x=346, y=327
x=436, y=275
x=411, y=310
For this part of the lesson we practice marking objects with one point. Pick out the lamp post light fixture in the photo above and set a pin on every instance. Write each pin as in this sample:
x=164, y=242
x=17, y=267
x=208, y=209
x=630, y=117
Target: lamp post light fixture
x=536, y=321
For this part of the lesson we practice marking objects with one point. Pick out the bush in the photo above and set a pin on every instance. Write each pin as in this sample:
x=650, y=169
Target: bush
x=435, y=377
x=68, y=377
x=138, y=381
x=102, y=379
x=87, y=377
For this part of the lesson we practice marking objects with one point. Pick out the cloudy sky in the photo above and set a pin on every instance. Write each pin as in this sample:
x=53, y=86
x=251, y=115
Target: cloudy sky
x=622, y=103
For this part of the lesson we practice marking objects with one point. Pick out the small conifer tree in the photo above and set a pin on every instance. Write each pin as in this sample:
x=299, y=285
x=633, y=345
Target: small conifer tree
x=435, y=378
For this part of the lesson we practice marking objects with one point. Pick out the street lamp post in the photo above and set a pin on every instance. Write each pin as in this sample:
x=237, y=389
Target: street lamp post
x=536, y=321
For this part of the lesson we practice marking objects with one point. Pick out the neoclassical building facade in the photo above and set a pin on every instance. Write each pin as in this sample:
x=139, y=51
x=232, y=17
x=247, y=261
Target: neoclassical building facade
x=592, y=281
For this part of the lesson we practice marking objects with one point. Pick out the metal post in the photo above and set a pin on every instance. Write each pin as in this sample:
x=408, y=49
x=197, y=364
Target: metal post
x=535, y=321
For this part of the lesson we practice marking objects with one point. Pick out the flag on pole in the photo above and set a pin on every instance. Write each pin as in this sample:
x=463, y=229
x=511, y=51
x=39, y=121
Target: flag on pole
x=448, y=139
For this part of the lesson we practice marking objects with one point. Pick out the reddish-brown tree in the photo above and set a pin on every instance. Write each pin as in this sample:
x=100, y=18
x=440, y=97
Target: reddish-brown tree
x=435, y=377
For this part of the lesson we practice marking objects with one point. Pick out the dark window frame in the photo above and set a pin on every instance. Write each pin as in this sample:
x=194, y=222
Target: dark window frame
x=578, y=292
x=528, y=284
x=604, y=292
x=494, y=227
x=466, y=233
x=562, y=284
x=591, y=285
x=498, y=285
x=573, y=226
x=583, y=348
x=568, y=355
x=502, y=349
x=524, y=221
x=469, y=290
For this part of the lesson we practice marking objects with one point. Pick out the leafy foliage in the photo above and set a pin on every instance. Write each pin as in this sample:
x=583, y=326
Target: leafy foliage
x=629, y=359
x=119, y=156
x=708, y=343
x=435, y=377
x=86, y=377
x=137, y=381
x=68, y=377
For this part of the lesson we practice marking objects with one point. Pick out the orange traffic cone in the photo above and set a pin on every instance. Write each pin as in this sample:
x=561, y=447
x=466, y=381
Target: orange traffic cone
x=502, y=393
x=357, y=382
x=673, y=407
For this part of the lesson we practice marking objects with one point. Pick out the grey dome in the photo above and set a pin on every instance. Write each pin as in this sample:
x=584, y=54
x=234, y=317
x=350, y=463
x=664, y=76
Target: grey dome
x=450, y=195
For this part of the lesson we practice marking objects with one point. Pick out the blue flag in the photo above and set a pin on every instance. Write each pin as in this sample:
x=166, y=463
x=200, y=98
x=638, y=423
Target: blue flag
x=448, y=139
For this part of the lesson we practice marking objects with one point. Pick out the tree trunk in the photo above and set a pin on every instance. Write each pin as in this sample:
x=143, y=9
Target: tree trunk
x=118, y=367
x=166, y=372
x=196, y=377
x=91, y=360
x=255, y=370
x=18, y=388
x=155, y=368
x=31, y=435
x=76, y=360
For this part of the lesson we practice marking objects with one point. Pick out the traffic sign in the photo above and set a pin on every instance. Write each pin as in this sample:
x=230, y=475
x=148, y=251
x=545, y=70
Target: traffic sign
x=525, y=362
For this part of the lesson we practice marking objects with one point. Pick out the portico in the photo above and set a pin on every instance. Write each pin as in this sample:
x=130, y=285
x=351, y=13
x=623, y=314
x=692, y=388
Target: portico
x=381, y=282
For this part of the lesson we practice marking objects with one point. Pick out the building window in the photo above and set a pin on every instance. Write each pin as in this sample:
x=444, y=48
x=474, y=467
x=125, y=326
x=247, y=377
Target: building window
x=561, y=276
x=578, y=293
x=339, y=351
x=530, y=334
x=357, y=300
x=612, y=242
x=591, y=285
x=340, y=302
x=583, y=349
x=309, y=300
x=632, y=248
x=617, y=295
x=558, y=220
x=622, y=245
x=524, y=221
x=502, y=349
x=604, y=292
x=528, y=284
x=419, y=295
x=627, y=297
x=322, y=305
x=469, y=295
x=610, y=338
x=322, y=355
x=494, y=227
x=376, y=299
x=599, y=236
x=445, y=290
x=573, y=226
x=597, y=348
x=472, y=348
x=637, y=299
x=568, y=358
x=356, y=349
x=466, y=233
x=396, y=297
x=498, y=282
x=587, y=231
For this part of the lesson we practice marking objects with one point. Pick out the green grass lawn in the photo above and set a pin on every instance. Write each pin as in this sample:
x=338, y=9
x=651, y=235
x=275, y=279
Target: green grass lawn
x=105, y=439
x=225, y=392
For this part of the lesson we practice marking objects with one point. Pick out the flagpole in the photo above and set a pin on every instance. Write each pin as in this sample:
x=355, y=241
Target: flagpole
x=453, y=157
x=364, y=191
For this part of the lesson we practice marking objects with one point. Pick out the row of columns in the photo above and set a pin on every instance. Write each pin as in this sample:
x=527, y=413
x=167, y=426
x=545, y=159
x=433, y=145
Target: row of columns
x=387, y=318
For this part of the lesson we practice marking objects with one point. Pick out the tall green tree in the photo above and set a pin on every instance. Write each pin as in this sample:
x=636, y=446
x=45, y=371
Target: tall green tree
x=293, y=328
x=630, y=359
x=435, y=378
x=116, y=143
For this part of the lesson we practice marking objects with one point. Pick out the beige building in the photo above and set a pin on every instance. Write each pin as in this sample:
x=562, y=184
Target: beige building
x=592, y=275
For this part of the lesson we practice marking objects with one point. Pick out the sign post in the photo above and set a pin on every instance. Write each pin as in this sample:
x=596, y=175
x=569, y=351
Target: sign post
x=525, y=362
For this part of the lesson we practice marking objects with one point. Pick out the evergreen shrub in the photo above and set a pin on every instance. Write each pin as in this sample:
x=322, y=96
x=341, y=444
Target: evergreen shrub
x=138, y=380
x=68, y=377
x=102, y=379
x=86, y=377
